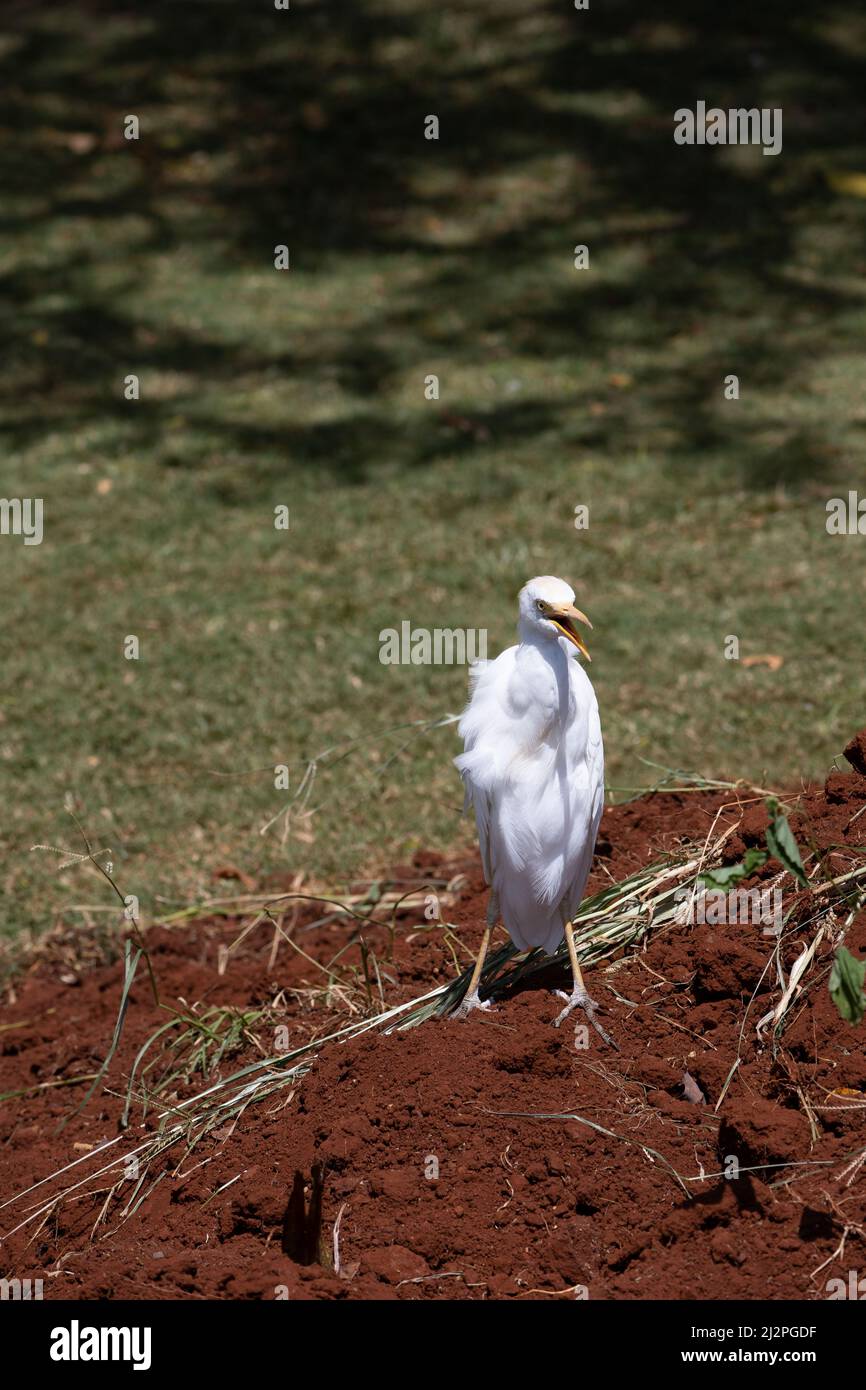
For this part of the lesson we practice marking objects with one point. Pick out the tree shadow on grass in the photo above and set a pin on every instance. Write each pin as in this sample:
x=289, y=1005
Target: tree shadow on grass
x=260, y=127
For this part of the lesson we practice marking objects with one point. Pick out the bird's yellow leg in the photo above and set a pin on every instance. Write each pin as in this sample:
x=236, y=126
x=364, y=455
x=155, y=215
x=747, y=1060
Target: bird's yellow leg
x=479, y=962
x=470, y=999
x=579, y=997
x=572, y=956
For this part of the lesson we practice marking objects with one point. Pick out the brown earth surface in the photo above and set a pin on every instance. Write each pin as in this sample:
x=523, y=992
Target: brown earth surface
x=457, y=1160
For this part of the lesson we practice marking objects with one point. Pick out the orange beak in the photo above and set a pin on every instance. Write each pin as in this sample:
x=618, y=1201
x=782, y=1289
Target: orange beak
x=565, y=619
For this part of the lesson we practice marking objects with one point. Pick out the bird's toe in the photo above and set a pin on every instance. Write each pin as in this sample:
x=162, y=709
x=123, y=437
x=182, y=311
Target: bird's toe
x=580, y=999
x=470, y=1004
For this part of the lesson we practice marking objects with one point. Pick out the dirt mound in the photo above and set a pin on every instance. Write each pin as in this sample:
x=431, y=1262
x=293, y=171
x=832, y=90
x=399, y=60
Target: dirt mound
x=493, y=1158
x=855, y=751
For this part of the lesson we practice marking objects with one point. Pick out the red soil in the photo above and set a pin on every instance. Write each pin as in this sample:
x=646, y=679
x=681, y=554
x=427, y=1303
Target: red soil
x=523, y=1205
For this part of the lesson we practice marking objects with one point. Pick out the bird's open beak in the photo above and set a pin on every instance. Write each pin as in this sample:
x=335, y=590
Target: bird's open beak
x=565, y=619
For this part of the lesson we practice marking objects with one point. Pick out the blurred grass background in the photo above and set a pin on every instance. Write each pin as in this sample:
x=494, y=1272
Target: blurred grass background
x=558, y=387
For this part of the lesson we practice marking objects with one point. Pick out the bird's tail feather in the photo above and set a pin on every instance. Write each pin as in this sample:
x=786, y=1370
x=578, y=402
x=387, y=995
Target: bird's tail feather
x=528, y=925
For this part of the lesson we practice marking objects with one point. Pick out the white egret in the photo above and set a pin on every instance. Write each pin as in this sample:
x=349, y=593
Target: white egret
x=533, y=769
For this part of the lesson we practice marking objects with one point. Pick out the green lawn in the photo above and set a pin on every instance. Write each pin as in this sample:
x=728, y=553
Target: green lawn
x=558, y=387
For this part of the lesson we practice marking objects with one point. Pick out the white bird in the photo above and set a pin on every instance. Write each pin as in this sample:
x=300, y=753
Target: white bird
x=533, y=770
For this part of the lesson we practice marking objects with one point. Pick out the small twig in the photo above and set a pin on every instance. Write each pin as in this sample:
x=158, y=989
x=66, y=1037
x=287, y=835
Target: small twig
x=336, y=1239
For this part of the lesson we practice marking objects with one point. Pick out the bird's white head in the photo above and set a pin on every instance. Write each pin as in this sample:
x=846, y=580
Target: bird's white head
x=547, y=610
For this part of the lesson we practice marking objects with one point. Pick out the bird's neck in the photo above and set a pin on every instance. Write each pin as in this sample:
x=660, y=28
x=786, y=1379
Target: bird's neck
x=534, y=646
x=547, y=647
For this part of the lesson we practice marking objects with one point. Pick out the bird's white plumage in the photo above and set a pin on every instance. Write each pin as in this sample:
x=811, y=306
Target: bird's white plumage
x=533, y=769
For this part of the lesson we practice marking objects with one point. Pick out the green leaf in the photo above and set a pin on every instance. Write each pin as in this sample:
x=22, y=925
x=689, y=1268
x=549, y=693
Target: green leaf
x=753, y=859
x=729, y=874
x=782, y=845
x=846, y=985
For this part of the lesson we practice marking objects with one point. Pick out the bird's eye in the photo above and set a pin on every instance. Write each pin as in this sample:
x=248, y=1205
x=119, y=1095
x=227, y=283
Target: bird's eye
x=540, y=605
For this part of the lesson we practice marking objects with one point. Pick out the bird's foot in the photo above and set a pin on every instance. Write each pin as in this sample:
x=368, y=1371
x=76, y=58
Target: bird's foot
x=579, y=999
x=470, y=1003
